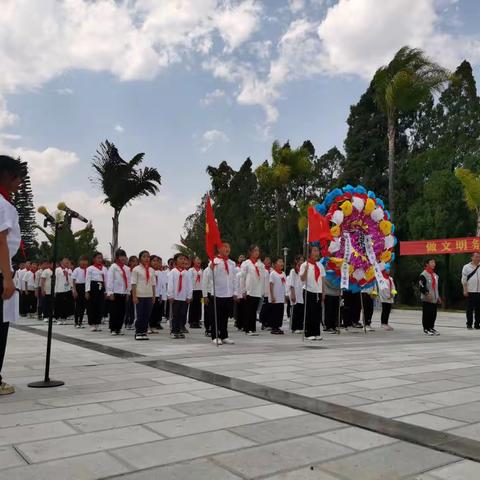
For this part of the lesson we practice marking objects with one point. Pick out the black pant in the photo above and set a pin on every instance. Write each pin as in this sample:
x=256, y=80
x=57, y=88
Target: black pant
x=224, y=312
x=143, y=310
x=386, y=309
x=96, y=303
x=117, y=312
x=179, y=315
x=208, y=319
x=332, y=304
x=156, y=315
x=31, y=302
x=130, y=312
x=195, y=309
x=23, y=300
x=63, y=305
x=3, y=340
x=429, y=315
x=352, y=308
x=251, y=307
x=240, y=311
x=276, y=315
x=313, y=304
x=80, y=303
x=46, y=306
x=367, y=301
x=473, y=307
x=265, y=313
x=39, y=302
x=297, y=317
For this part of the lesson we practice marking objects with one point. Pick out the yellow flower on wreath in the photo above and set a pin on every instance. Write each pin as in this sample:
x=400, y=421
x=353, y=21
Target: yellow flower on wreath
x=369, y=206
x=370, y=274
x=335, y=231
x=386, y=256
x=347, y=208
x=385, y=227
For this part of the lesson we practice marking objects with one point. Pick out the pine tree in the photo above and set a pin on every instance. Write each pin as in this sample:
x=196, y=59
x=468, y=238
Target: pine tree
x=23, y=201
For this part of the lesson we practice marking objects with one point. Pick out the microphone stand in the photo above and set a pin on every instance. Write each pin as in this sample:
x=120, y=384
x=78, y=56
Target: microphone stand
x=47, y=382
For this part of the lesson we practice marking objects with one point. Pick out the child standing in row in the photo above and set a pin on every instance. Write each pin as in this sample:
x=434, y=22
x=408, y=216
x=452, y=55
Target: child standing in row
x=95, y=291
x=252, y=288
x=278, y=293
x=195, y=307
x=130, y=311
x=296, y=296
x=79, y=277
x=118, y=290
x=179, y=295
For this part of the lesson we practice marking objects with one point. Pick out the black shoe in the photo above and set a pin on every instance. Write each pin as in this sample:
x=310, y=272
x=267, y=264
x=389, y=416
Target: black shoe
x=469, y=327
x=208, y=333
x=476, y=327
x=184, y=330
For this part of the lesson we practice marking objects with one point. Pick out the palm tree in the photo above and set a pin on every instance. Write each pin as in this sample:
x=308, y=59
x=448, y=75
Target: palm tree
x=471, y=189
x=122, y=182
x=401, y=86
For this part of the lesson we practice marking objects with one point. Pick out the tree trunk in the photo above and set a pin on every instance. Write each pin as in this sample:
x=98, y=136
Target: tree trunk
x=114, y=244
x=391, y=162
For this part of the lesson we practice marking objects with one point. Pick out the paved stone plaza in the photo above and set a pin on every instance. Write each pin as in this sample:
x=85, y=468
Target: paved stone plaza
x=125, y=412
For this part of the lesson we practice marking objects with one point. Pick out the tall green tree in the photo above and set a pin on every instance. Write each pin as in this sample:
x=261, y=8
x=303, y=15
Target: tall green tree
x=122, y=182
x=471, y=191
x=401, y=86
x=23, y=201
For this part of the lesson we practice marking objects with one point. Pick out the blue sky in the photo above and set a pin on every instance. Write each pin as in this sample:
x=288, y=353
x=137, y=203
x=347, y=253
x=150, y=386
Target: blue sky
x=192, y=83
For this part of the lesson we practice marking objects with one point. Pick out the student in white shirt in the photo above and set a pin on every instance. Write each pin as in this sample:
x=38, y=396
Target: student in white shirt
x=16, y=276
x=29, y=285
x=312, y=274
x=143, y=294
x=23, y=291
x=223, y=276
x=46, y=291
x=207, y=292
x=118, y=289
x=38, y=290
x=239, y=304
x=253, y=286
x=195, y=307
x=179, y=294
x=130, y=312
x=387, y=297
x=95, y=291
x=79, y=277
x=296, y=295
x=156, y=316
x=278, y=294
x=64, y=306
x=264, y=315
x=11, y=174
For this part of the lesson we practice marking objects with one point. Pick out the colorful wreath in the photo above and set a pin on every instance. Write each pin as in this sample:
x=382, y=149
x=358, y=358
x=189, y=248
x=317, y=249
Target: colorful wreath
x=361, y=250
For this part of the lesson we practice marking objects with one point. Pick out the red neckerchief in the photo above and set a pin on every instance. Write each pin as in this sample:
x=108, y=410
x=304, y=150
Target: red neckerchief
x=124, y=274
x=297, y=269
x=225, y=262
x=386, y=276
x=65, y=273
x=84, y=272
x=199, y=277
x=268, y=269
x=99, y=266
x=254, y=263
x=147, y=270
x=280, y=272
x=430, y=271
x=316, y=269
x=180, y=279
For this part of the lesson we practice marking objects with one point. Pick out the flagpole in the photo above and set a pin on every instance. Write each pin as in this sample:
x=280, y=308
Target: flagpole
x=215, y=303
x=306, y=285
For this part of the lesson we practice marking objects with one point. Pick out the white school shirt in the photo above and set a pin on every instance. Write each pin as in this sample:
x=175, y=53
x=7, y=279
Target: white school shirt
x=266, y=282
x=252, y=283
x=116, y=280
x=224, y=281
x=162, y=284
x=386, y=295
x=144, y=289
x=278, y=281
x=207, y=283
x=79, y=275
x=196, y=278
x=297, y=285
x=237, y=285
x=47, y=275
x=312, y=285
x=38, y=277
x=21, y=276
x=15, y=280
x=173, y=291
x=63, y=280
x=30, y=280
x=96, y=275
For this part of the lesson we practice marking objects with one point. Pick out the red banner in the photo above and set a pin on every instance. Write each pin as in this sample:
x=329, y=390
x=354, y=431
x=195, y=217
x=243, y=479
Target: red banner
x=440, y=246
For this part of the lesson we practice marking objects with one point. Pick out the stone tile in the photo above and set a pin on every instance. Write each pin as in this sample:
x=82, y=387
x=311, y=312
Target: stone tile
x=273, y=412
x=214, y=393
x=67, y=401
x=464, y=470
x=439, y=386
x=12, y=435
x=346, y=400
x=141, y=403
x=453, y=397
x=51, y=414
x=124, y=419
x=219, y=405
x=357, y=438
x=179, y=449
x=86, y=467
x=19, y=406
x=396, y=408
x=433, y=422
x=86, y=443
x=389, y=462
x=286, y=428
x=203, y=423
x=194, y=469
x=307, y=473
x=315, y=381
x=327, y=390
x=383, y=394
x=276, y=457
x=469, y=431
x=385, y=382
x=10, y=458
x=469, y=412
x=172, y=388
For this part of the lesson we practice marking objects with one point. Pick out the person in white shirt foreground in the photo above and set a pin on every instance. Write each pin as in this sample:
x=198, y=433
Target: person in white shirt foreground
x=79, y=277
x=278, y=294
x=471, y=290
x=118, y=290
x=312, y=274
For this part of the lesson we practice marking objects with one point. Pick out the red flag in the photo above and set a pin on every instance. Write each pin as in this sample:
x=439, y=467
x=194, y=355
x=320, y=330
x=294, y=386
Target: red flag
x=318, y=227
x=212, y=237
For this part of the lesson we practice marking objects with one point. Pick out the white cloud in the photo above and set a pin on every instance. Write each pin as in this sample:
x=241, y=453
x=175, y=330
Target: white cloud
x=211, y=137
x=296, y=5
x=7, y=118
x=118, y=128
x=10, y=136
x=65, y=91
x=213, y=96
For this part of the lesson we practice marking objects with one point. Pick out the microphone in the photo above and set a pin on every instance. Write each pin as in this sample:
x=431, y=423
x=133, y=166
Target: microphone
x=62, y=206
x=42, y=210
